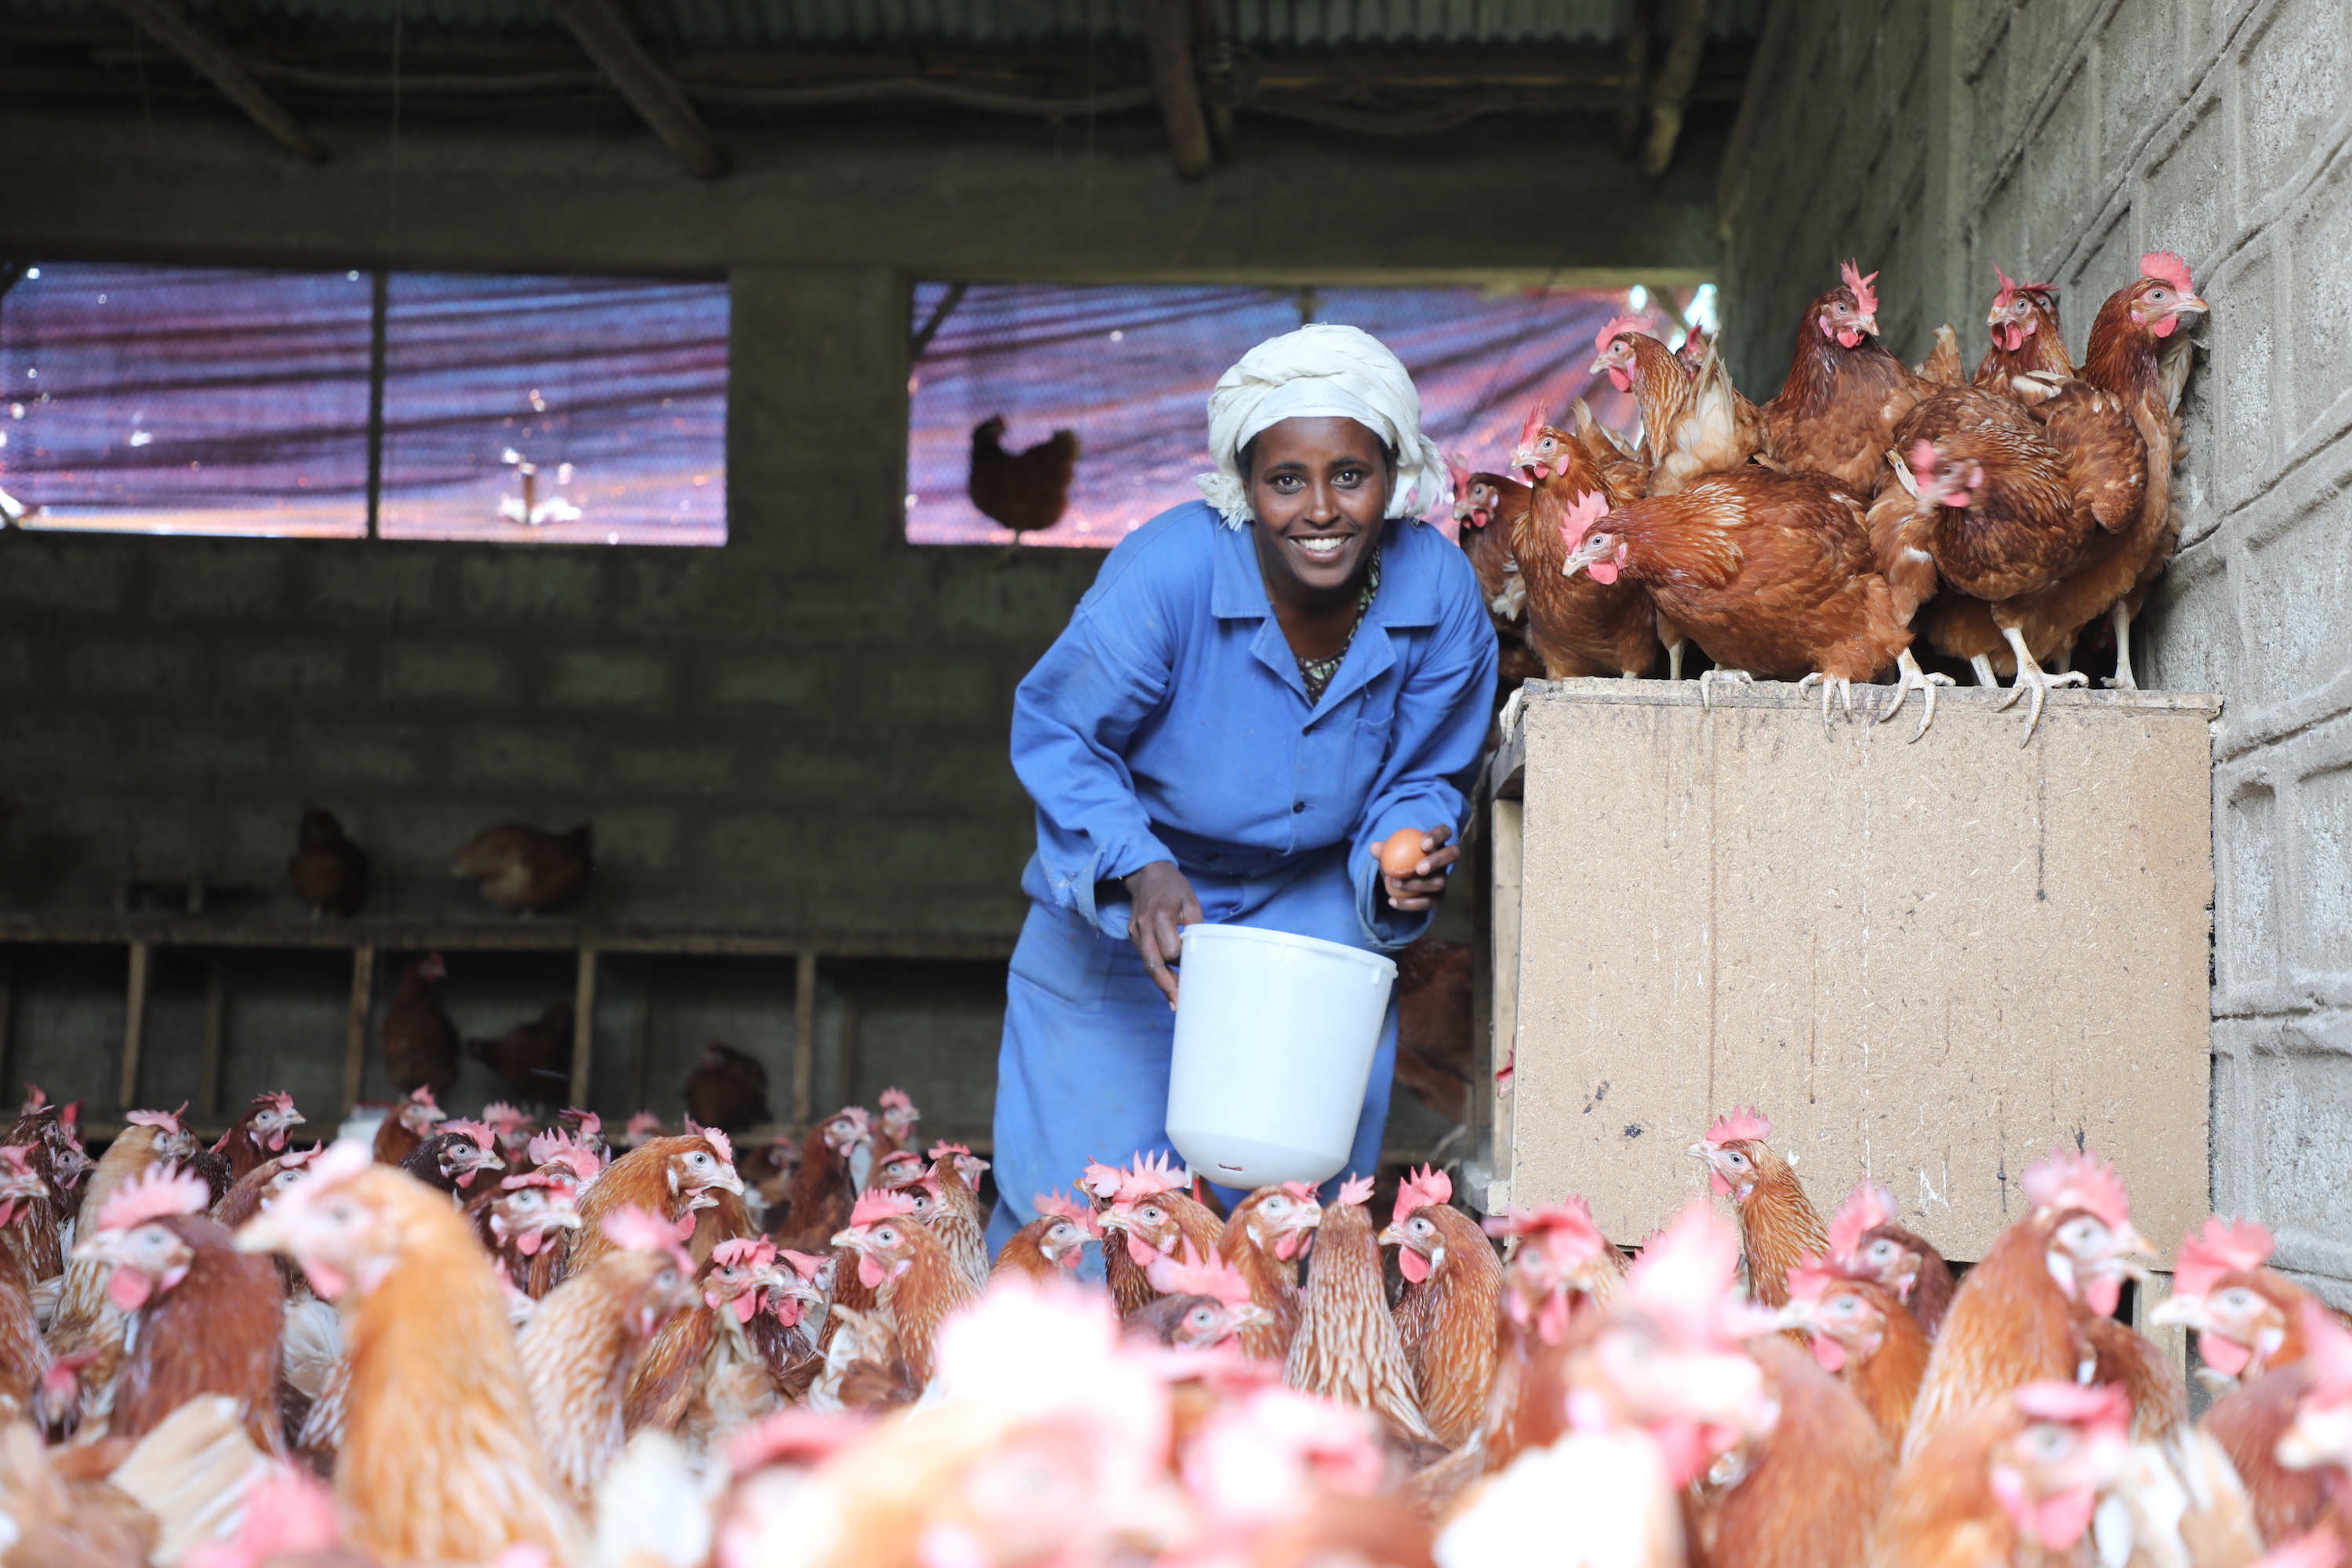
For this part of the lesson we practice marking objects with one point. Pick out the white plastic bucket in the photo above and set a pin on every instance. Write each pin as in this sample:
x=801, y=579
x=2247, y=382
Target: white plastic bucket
x=1274, y=1040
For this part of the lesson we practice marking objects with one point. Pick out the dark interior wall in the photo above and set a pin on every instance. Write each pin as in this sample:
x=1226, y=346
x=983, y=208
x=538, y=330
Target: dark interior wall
x=2061, y=138
x=802, y=731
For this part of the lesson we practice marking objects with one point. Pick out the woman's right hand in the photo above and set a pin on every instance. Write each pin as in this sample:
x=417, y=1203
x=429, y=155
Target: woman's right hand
x=1164, y=906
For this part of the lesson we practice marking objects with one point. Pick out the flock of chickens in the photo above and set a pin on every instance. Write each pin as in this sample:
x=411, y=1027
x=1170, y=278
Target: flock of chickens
x=526, y=1348
x=520, y=869
x=1867, y=510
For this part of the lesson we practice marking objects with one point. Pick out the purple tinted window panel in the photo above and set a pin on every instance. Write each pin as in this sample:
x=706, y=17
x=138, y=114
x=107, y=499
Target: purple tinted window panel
x=560, y=410
x=185, y=400
x=1130, y=369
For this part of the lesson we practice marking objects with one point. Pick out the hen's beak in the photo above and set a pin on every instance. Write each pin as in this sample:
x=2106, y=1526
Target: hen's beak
x=2179, y=1312
x=1391, y=1236
x=265, y=1231
x=1867, y=323
x=1600, y=366
x=849, y=1238
x=565, y=1219
x=727, y=1181
x=1584, y=555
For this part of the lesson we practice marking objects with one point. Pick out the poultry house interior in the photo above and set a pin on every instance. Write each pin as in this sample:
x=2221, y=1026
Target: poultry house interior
x=521, y=535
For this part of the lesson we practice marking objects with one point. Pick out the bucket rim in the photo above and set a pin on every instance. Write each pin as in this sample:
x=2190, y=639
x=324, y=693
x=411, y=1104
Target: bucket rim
x=1219, y=931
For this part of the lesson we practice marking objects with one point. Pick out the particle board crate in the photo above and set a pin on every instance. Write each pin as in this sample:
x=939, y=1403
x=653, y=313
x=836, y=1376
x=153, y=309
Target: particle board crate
x=1929, y=963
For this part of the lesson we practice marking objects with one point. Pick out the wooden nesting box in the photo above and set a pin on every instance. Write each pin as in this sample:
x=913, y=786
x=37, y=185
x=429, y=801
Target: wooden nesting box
x=1929, y=963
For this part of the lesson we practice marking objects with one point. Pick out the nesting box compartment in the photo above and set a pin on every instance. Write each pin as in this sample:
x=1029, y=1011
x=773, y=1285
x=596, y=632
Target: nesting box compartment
x=1929, y=963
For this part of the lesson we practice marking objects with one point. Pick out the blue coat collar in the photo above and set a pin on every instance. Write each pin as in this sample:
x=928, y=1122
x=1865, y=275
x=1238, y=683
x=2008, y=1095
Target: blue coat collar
x=1408, y=598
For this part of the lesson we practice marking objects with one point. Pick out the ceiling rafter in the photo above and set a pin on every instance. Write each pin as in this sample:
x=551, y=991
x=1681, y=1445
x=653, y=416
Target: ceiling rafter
x=163, y=21
x=612, y=44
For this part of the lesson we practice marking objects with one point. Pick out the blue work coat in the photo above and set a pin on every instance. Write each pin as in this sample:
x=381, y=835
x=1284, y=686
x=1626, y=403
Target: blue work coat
x=1169, y=722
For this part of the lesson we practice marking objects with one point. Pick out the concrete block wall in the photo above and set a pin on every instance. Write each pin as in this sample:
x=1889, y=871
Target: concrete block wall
x=2061, y=138
x=805, y=729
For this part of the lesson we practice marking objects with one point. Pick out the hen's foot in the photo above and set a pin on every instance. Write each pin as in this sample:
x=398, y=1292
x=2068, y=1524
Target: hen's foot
x=1984, y=673
x=1675, y=660
x=1914, y=679
x=2032, y=677
x=1710, y=676
x=2121, y=680
x=1829, y=683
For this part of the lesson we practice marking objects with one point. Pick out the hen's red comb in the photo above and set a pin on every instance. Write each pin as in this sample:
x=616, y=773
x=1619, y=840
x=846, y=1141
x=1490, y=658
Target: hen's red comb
x=633, y=1229
x=2100, y=1405
x=1301, y=1191
x=169, y=1121
x=744, y=1252
x=1101, y=1180
x=805, y=1264
x=1420, y=1189
x=1534, y=425
x=501, y=1115
x=479, y=1134
x=644, y=1123
x=2220, y=1246
x=2083, y=1180
x=1869, y=1207
x=1356, y=1190
x=154, y=1193
x=1809, y=1279
x=2166, y=268
x=1749, y=1125
x=877, y=1204
x=1198, y=1276
x=18, y=1157
x=942, y=1148
x=1618, y=326
x=273, y=1100
x=896, y=1099
x=1150, y=1176
x=1570, y=1217
x=1458, y=468
x=1866, y=297
x=1055, y=1206
x=719, y=1142
x=1582, y=513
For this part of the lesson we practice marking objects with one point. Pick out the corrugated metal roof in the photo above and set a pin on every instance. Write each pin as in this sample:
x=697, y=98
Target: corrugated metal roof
x=1273, y=27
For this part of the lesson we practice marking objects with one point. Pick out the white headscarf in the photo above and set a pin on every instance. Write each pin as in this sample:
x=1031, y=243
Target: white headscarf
x=1319, y=371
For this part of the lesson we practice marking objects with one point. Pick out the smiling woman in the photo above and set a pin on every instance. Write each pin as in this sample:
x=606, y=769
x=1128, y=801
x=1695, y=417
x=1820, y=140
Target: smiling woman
x=1256, y=695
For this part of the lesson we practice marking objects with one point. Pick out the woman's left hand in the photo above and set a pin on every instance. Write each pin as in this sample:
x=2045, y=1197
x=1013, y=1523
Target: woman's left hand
x=1427, y=884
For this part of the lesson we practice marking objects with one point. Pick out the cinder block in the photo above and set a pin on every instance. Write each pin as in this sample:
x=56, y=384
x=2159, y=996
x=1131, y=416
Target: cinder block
x=130, y=666
x=2000, y=233
x=2242, y=342
x=2299, y=1117
x=58, y=574
x=2323, y=819
x=217, y=579
x=531, y=585
x=778, y=680
x=358, y=753
x=447, y=673
x=61, y=751
x=2321, y=298
x=2135, y=54
x=2246, y=873
x=2297, y=600
x=194, y=752
x=2060, y=170
x=285, y=669
x=379, y=579
x=2189, y=627
x=510, y=753
x=683, y=767
x=2188, y=207
x=606, y=677
x=2291, y=92
x=644, y=838
x=960, y=689
x=2110, y=263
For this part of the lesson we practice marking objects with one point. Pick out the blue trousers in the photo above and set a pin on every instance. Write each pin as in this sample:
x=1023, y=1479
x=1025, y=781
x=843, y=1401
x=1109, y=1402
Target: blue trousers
x=1083, y=1071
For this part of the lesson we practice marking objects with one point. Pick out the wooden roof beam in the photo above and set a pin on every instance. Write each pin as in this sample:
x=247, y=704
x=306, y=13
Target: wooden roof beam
x=1670, y=93
x=162, y=20
x=609, y=40
x=1168, y=37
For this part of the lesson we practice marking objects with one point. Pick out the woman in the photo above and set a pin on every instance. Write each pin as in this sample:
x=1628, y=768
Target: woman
x=1255, y=693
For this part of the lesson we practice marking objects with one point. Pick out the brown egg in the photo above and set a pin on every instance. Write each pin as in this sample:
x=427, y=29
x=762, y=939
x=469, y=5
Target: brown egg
x=1403, y=854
